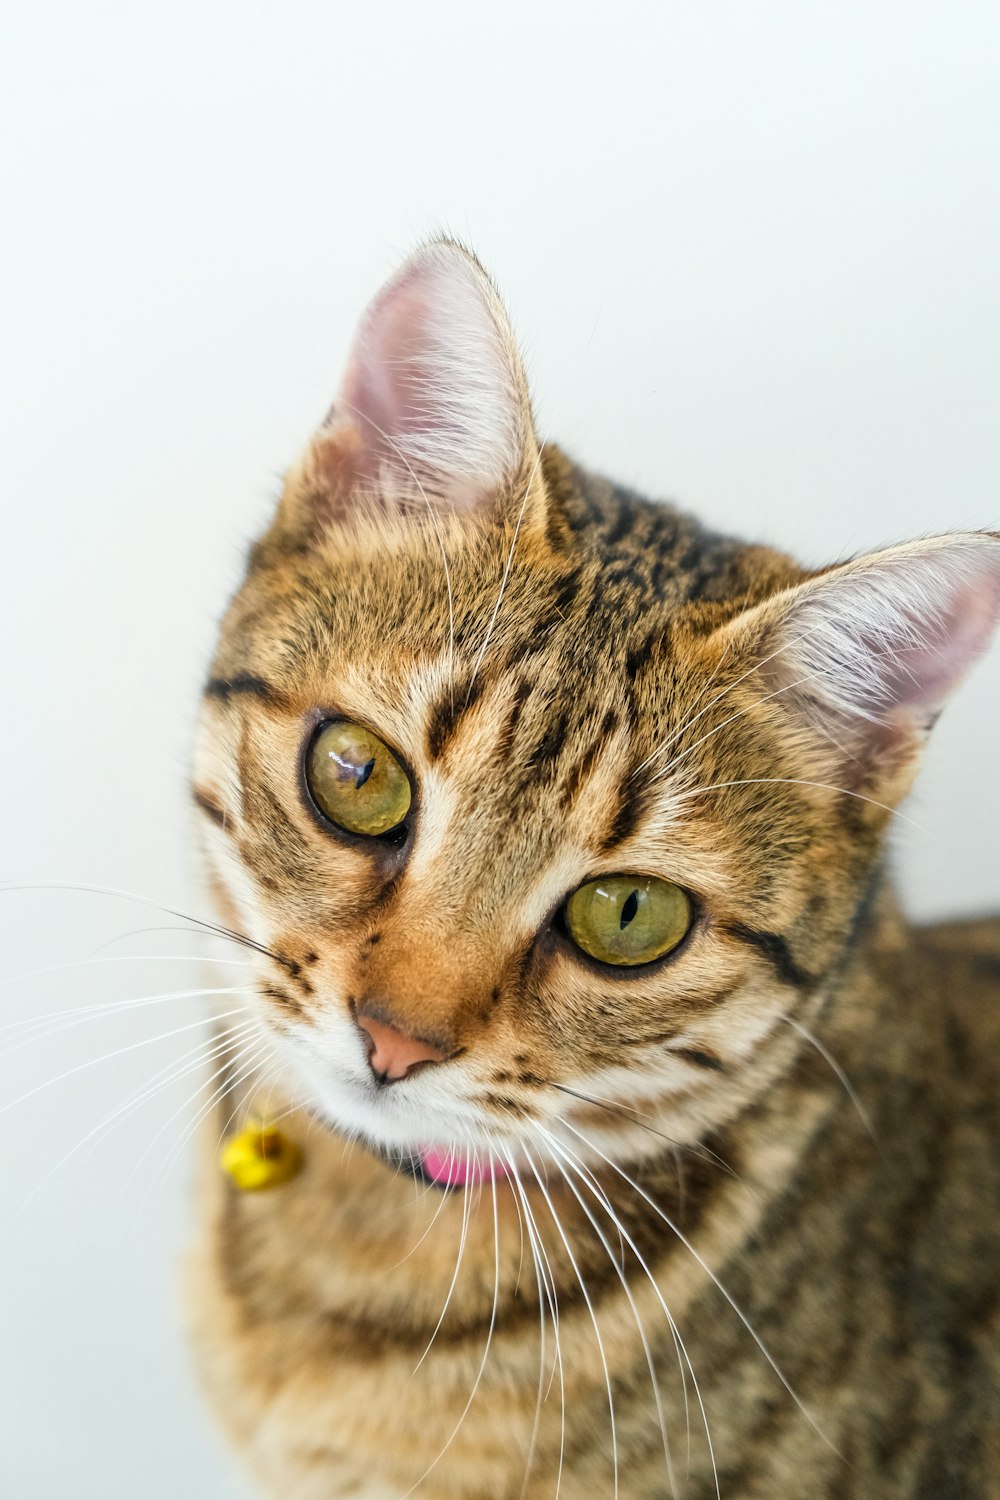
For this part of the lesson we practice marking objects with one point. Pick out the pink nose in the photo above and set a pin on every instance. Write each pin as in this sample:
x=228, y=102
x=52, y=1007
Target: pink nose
x=392, y=1054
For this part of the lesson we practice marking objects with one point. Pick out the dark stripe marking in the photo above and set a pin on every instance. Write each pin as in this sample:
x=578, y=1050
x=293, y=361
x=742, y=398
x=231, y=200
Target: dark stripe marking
x=637, y=658
x=285, y=1001
x=631, y=805
x=567, y=591
x=549, y=747
x=503, y=1104
x=700, y=1057
x=444, y=716
x=774, y=948
x=246, y=683
x=209, y=805
x=505, y=739
x=623, y=525
x=578, y=773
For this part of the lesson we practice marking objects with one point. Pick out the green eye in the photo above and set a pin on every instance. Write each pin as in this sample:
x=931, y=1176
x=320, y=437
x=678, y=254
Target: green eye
x=355, y=779
x=628, y=919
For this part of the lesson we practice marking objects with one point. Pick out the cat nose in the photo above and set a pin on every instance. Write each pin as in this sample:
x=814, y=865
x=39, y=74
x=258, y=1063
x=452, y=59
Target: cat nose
x=392, y=1055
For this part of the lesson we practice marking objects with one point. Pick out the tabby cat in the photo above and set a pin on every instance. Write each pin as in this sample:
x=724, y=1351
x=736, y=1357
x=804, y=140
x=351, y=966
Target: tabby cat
x=646, y=1149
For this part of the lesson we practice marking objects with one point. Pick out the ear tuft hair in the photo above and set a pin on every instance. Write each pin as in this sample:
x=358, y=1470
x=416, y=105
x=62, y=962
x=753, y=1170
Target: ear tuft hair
x=871, y=650
x=889, y=637
x=434, y=392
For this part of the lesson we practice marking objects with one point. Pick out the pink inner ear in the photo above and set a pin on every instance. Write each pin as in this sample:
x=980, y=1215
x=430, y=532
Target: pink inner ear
x=389, y=375
x=920, y=677
x=895, y=633
x=432, y=388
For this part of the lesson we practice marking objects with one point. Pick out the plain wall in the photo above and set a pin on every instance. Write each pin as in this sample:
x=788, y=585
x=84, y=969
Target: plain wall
x=751, y=251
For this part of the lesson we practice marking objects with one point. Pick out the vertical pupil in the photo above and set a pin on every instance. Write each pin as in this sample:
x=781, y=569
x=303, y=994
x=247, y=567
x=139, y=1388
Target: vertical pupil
x=629, y=910
x=365, y=772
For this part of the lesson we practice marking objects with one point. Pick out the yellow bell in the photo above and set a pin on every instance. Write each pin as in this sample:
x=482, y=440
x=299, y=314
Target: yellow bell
x=260, y=1156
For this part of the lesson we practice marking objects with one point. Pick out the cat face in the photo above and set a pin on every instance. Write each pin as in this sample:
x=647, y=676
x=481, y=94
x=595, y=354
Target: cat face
x=542, y=804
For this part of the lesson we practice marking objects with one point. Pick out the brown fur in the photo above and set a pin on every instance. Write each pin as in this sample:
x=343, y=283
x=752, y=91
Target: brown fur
x=868, y=1270
x=734, y=1083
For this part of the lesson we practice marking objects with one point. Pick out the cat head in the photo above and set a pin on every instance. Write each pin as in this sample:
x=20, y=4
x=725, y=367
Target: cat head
x=545, y=808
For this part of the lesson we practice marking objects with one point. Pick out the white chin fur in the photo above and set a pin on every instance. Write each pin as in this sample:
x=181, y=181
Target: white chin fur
x=400, y=1118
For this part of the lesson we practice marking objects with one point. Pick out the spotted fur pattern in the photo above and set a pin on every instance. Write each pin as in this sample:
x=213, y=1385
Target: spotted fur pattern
x=746, y=1239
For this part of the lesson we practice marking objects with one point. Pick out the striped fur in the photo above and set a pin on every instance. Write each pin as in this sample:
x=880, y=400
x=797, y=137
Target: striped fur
x=751, y=1237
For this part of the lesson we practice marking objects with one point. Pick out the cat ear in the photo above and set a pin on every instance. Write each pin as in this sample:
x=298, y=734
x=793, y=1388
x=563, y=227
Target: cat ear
x=871, y=650
x=434, y=399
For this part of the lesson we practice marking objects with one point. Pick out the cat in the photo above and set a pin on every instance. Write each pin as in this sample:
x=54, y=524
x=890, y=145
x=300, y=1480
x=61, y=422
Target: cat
x=647, y=1150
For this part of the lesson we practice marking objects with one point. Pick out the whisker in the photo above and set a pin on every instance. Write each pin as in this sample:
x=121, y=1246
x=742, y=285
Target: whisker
x=124, y=958
x=838, y=1071
x=615, y=1107
x=715, y=1282
x=680, y=1348
x=247, y=1065
x=741, y=713
x=108, y=890
x=454, y=1277
x=756, y=667
x=245, y=1036
x=201, y=1053
x=693, y=719
x=123, y=937
x=489, y=1341
x=228, y=1085
x=109, y=1056
x=235, y=1037
x=823, y=786
x=75, y=1014
x=552, y=1298
x=291, y=1108
x=135, y=1101
x=543, y=1294
x=413, y=1248
x=620, y=1272
x=590, y=1307
x=502, y=1155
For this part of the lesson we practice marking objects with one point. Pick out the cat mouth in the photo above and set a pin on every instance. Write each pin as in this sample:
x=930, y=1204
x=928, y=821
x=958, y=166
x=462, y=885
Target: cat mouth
x=437, y=1166
x=449, y=1169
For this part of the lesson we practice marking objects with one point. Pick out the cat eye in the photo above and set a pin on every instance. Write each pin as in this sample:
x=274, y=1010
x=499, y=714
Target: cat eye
x=355, y=780
x=628, y=919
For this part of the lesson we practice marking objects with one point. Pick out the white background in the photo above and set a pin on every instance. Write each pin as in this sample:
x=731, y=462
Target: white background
x=752, y=251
